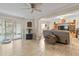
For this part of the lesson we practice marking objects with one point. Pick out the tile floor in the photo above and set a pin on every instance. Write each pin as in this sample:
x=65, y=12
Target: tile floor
x=39, y=48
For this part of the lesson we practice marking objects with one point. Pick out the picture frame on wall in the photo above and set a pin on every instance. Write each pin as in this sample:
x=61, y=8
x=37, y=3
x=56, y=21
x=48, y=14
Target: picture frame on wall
x=29, y=24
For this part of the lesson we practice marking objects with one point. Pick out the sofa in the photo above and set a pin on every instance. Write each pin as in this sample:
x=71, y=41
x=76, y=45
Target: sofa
x=62, y=35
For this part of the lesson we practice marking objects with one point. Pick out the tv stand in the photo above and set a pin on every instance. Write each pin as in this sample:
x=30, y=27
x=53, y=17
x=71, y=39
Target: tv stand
x=29, y=36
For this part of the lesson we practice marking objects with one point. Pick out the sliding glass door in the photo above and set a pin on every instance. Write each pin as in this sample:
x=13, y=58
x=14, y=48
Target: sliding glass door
x=6, y=30
x=2, y=31
x=18, y=31
x=10, y=30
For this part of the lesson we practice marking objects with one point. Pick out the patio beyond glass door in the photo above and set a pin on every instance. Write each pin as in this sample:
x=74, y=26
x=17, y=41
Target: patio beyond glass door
x=18, y=31
x=2, y=31
x=6, y=30
x=10, y=30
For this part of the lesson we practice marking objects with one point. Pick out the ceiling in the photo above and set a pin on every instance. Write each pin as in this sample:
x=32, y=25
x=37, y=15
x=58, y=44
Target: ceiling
x=47, y=9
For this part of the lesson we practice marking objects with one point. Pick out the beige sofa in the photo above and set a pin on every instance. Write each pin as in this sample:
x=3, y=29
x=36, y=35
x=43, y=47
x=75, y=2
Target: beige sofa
x=63, y=36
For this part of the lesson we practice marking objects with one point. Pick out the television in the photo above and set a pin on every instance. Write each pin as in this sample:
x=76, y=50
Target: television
x=66, y=27
x=63, y=27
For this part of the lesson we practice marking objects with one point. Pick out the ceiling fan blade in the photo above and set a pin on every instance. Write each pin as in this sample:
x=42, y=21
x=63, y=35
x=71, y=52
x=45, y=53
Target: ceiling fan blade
x=37, y=9
x=34, y=7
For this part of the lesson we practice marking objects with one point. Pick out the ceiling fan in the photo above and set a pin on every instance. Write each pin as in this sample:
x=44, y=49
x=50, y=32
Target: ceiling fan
x=33, y=7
